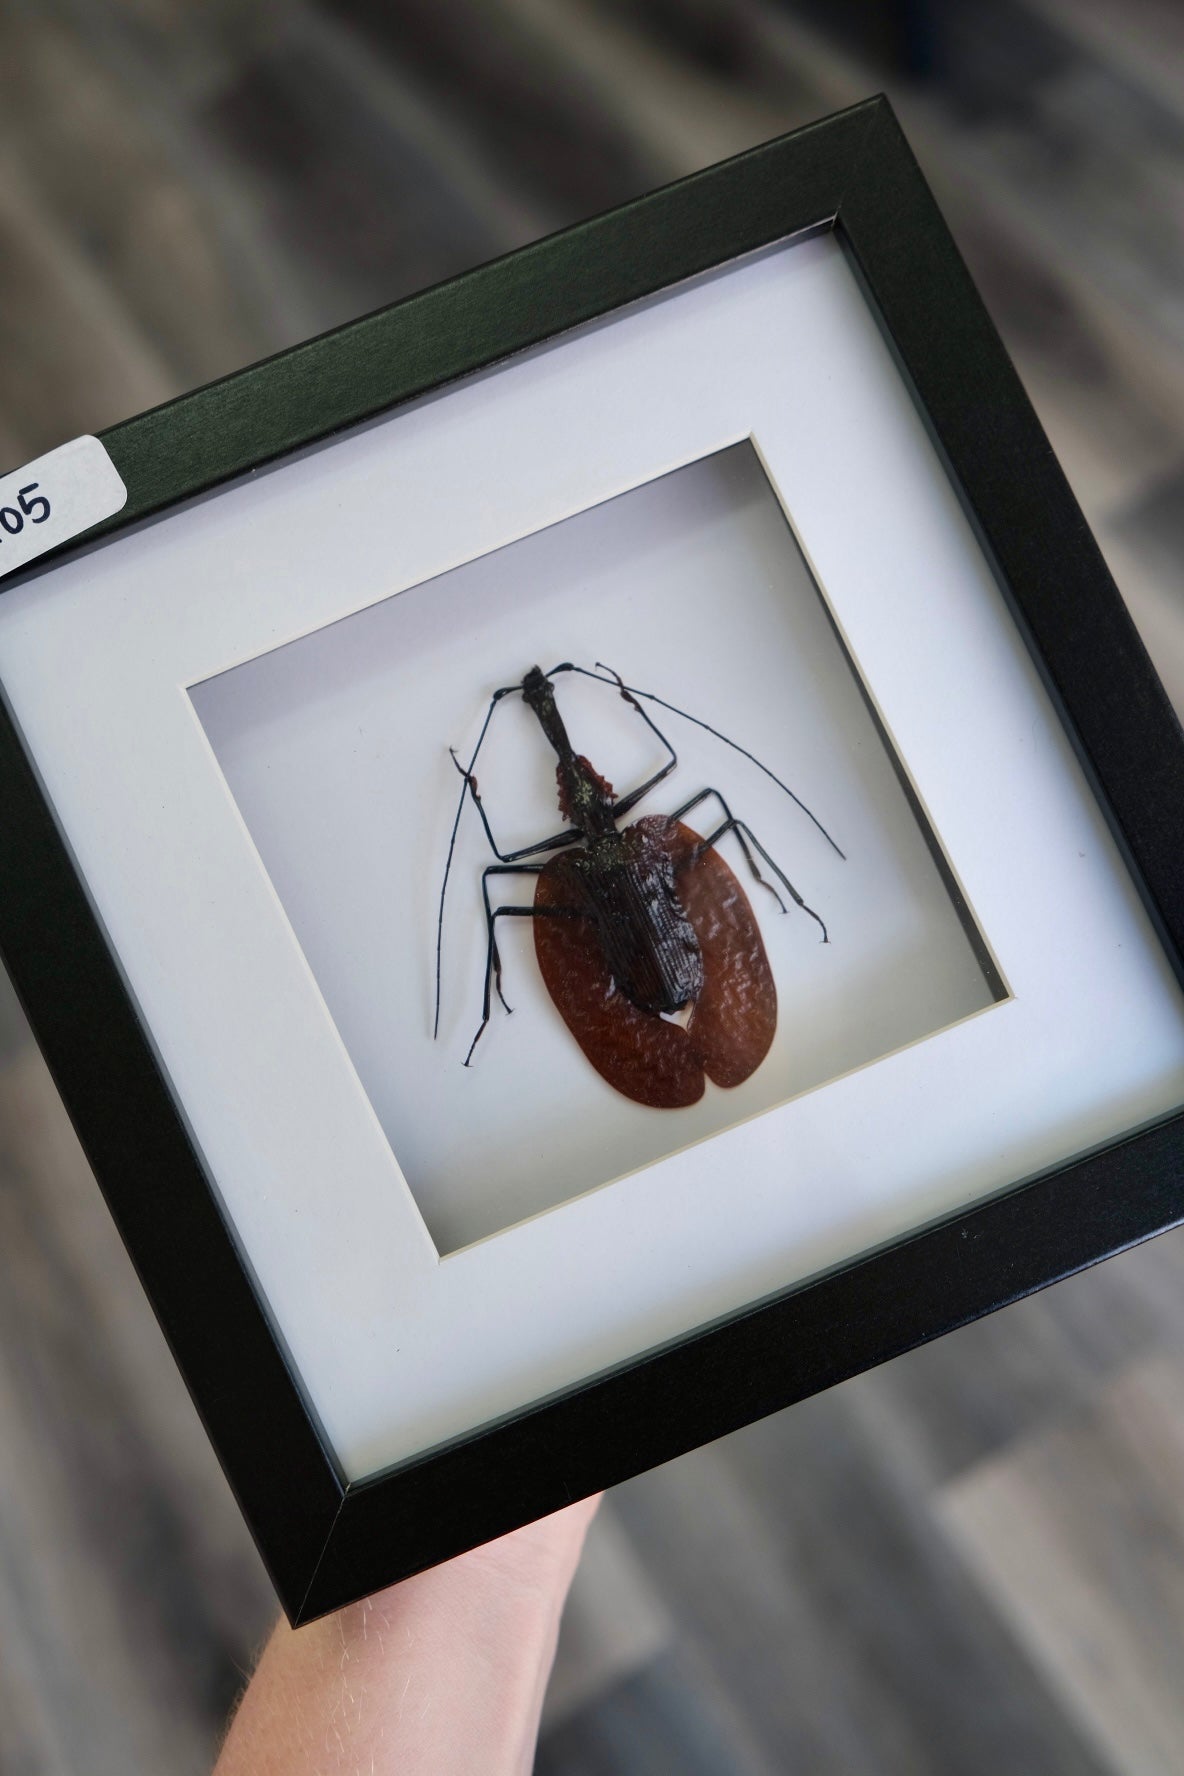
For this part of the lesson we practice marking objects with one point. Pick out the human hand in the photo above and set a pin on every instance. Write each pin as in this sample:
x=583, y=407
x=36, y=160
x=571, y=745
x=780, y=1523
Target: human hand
x=442, y=1675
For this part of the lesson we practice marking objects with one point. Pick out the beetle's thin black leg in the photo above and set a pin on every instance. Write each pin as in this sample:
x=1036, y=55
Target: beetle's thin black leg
x=628, y=802
x=503, y=869
x=651, y=697
x=503, y=691
x=510, y=912
x=743, y=842
x=470, y=782
x=554, y=843
x=738, y=826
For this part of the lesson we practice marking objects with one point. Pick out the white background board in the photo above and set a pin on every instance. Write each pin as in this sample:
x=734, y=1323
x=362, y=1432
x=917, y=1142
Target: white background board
x=335, y=750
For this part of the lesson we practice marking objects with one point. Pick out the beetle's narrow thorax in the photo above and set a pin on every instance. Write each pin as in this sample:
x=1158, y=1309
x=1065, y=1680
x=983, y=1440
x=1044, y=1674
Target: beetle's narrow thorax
x=584, y=797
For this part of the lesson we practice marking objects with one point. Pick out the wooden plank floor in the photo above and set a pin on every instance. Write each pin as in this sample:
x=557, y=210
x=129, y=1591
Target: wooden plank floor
x=970, y=1561
x=1079, y=1538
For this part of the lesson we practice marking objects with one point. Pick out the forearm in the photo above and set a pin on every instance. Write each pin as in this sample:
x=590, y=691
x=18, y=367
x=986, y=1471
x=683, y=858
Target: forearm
x=444, y=1673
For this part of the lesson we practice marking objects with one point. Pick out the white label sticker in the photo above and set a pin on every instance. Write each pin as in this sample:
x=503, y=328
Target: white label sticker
x=54, y=498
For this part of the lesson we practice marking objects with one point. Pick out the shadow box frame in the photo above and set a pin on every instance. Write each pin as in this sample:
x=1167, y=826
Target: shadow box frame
x=327, y=1540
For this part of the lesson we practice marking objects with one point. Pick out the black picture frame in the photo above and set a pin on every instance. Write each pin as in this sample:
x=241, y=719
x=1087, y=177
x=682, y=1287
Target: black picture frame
x=325, y=1541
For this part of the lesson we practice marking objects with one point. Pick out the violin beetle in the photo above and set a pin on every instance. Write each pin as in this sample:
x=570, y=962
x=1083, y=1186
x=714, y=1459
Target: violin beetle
x=645, y=939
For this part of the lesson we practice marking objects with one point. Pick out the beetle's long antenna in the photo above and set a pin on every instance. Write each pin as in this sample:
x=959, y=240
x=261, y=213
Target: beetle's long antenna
x=464, y=790
x=650, y=696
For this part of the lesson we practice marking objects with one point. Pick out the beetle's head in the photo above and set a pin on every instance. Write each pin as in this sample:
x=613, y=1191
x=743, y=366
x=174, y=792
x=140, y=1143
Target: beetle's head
x=537, y=688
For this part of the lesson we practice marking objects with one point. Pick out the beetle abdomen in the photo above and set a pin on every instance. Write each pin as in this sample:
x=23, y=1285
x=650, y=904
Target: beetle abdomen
x=627, y=884
x=638, y=1051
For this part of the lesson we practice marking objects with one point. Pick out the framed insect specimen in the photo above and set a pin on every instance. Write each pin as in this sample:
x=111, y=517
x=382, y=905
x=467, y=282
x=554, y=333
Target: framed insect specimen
x=638, y=924
x=753, y=442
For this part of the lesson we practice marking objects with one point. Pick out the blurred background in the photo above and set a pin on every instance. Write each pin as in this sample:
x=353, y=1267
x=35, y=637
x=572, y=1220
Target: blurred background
x=968, y=1562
